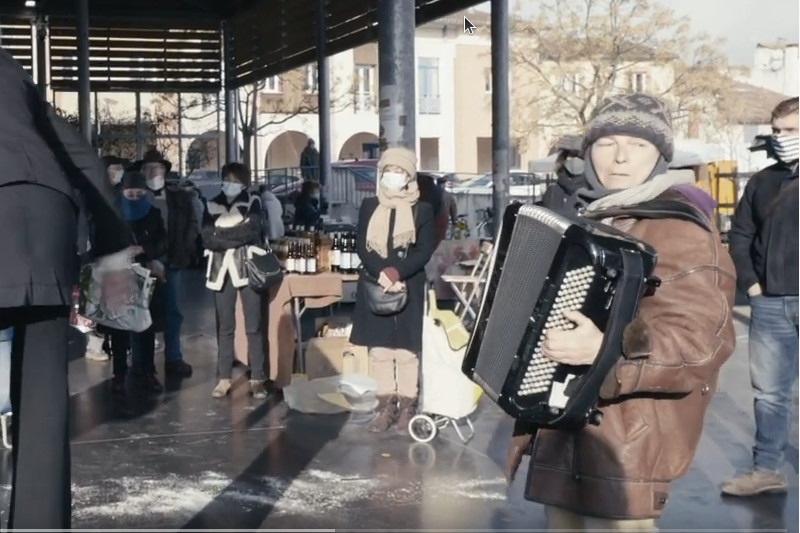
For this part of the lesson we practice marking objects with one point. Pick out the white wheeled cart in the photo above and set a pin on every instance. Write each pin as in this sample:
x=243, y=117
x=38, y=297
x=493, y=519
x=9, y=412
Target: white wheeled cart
x=447, y=396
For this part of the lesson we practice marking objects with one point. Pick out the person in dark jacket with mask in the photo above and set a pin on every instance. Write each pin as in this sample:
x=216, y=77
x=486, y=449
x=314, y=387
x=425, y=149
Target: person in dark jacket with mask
x=763, y=242
x=45, y=159
x=150, y=238
x=306, y=208
x=179, y=206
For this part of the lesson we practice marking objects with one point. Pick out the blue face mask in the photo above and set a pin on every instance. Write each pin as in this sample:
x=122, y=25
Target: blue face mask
x=133, y=210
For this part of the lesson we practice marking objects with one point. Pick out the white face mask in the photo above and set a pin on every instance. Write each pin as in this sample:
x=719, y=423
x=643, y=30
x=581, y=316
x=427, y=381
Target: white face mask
x=232, y=190
x=394, y=181
x=786, y=147
x=117, y=177
x=156, y=183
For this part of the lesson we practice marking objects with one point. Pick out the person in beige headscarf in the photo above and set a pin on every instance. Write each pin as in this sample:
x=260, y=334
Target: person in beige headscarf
x=396, y=238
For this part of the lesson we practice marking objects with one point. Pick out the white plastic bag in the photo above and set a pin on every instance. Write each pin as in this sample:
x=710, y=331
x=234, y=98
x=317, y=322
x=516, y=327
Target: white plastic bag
x=116, y=293
x=332, y=395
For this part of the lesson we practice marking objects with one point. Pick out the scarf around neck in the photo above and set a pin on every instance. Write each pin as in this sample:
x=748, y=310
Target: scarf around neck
x=404, y=232
x=644, y=192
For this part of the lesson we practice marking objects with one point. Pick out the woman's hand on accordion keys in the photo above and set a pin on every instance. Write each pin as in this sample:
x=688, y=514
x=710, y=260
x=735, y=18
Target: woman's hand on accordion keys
x=578, y=346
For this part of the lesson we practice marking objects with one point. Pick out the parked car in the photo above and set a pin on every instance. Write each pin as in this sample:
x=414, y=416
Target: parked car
x=521, y=184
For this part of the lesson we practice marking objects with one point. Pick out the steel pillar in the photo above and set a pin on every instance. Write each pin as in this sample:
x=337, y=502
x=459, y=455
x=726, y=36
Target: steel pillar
x=84, y=82
x=231, y=148
x=500, y=108
x=323, y=94
x=396, y=74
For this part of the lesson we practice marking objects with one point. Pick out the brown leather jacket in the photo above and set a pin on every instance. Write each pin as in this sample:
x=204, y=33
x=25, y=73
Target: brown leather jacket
x=655, y=400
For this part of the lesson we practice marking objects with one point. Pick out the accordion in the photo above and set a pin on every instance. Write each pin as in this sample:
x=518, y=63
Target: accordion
x=544, y=264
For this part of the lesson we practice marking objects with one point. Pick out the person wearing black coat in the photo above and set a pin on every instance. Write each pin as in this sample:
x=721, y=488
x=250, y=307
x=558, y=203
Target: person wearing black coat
x=396, y=238
x=150, y=239
x=44, y=160
x=306, y=208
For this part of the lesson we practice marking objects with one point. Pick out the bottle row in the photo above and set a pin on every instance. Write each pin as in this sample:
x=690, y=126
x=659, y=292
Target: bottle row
x=314, y=252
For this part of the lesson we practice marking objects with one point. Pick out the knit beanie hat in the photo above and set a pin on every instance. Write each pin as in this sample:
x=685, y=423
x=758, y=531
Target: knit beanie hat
x=638, y=115
x=399, y=157
x=133, y=180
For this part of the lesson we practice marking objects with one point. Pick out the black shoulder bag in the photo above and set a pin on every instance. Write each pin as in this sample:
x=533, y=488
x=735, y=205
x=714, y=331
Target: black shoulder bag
x=381, y=302
x=263, y=270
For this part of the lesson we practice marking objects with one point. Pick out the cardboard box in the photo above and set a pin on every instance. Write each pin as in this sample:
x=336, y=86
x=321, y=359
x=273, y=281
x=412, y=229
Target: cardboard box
x=334, y=356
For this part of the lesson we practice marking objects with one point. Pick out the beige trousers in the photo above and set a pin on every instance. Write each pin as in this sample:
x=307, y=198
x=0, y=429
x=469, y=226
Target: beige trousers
x=558, y=518
x=396, y=371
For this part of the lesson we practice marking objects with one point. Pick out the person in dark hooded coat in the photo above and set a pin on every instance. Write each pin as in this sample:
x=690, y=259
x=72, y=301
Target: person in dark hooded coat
x=45, y=160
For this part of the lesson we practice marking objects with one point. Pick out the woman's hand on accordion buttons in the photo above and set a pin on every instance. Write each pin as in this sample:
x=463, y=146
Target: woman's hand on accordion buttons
x=578, y=346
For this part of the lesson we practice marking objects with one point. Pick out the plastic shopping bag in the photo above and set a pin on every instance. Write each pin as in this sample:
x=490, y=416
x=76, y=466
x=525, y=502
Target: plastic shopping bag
x=115, y=292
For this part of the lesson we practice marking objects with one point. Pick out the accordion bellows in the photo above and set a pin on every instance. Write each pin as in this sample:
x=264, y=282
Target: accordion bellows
x=544, y=264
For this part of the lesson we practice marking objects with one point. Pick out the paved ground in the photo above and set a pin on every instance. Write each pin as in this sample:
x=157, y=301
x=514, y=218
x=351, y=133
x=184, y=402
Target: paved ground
x=184, y=460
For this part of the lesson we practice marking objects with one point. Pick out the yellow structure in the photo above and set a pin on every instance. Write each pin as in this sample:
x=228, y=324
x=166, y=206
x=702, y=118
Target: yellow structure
x=719, y=180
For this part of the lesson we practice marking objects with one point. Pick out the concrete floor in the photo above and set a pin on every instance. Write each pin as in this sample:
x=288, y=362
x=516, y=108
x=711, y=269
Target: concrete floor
x=185, y=460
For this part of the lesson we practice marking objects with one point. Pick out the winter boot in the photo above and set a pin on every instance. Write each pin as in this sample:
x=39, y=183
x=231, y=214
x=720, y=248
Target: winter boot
x=386, y=414
x=408, y=408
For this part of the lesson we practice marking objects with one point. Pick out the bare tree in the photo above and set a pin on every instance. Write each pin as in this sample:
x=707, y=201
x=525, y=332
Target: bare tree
x=574, y=53
x=294, y=97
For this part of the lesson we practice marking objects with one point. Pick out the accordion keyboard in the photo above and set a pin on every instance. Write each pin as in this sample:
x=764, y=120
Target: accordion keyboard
x=570, y=297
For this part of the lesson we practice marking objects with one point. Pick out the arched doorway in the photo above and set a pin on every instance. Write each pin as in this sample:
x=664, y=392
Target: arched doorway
x=362, y=145
x=284, y=150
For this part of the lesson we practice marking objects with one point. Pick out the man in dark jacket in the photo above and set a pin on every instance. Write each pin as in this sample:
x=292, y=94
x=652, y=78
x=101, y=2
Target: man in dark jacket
x=178, y=205
x=44, y=159
x=309, y=161
x=763, y=242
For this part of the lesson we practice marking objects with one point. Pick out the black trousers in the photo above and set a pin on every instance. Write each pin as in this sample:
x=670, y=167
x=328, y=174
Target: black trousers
x=252, y=306
x=41, y=494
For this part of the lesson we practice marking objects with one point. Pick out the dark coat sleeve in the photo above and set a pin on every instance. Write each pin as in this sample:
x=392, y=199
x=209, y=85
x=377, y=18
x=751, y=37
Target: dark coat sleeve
x=370, y=261
x=245, y=234
x=86, y=173
x=156, y=246
x=741, y=235
x=419, y=254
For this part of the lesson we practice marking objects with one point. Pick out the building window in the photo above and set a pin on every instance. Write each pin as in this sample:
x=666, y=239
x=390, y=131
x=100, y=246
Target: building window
x=428, y=73
x=311, y=84
x=363, y=87
x=487, y=80
x=639, y=82
x=572, y=83
x=272, y=84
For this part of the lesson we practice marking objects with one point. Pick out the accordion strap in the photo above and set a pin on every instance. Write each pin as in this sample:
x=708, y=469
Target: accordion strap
x=655, y=209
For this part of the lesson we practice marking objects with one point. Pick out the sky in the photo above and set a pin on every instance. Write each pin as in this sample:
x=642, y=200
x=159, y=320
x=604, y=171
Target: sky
x=743, y=23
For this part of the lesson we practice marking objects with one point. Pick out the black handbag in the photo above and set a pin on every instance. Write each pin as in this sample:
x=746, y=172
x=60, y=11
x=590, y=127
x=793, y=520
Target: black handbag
x=263, y=272
x=380, y=302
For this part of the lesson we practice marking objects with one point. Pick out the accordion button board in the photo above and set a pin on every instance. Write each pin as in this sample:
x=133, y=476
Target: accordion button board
x=570, y=297
x=543, y=265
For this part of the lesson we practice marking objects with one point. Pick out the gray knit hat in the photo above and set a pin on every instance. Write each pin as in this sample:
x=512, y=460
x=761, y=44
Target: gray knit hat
x=638, y=115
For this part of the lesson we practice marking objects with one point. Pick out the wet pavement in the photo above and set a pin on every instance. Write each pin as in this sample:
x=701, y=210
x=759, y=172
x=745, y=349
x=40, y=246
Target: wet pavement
x=184, y=460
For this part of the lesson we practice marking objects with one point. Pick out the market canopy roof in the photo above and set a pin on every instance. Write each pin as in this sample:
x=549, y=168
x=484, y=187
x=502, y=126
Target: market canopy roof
x=176, y=45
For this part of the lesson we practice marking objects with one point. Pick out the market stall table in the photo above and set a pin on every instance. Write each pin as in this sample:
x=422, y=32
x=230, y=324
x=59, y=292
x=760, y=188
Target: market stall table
x=284, y=309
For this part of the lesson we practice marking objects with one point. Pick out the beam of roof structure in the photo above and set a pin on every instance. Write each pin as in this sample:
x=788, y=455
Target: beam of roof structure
x=176, y=45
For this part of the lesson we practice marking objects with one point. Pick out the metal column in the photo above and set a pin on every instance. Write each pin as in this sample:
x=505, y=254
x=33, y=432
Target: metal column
x=396, y=92
x=500, y=109
x=84, y=84
x=231, y=149
x=41, y=54
x=323, y=95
